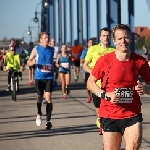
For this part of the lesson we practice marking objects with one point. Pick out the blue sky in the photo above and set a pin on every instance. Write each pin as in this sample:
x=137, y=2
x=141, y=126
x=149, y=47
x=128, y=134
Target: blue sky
x=15, y=16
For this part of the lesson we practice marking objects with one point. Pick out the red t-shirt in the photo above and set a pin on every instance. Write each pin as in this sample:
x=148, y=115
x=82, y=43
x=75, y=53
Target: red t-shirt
x=121, y=74
x=76, y=52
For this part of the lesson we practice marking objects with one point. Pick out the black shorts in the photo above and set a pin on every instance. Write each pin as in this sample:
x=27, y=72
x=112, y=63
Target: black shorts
x=77, y=63
x=119, y=125
x=96, y=100
x=42, y=85
x=32, y=67
x=64, y=72
x=86, y=77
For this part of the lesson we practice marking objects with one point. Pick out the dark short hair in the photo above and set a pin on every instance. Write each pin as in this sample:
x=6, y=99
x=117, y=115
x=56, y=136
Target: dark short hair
x=91, y=39
x=76, y=42
x=63, y=44
x=104, y=29
x=42, y=33
x=121, y=27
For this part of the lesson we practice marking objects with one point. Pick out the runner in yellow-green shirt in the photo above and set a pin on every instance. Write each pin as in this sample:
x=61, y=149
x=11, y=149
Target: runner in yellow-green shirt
x=92, y=56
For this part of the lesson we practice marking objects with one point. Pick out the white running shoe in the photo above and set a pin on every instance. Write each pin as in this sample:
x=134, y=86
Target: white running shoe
x=38, y=120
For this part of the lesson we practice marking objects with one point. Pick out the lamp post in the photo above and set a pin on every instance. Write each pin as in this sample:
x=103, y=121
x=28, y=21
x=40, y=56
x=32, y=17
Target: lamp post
x=23, y=37
x=29, y=32
x=36, y=19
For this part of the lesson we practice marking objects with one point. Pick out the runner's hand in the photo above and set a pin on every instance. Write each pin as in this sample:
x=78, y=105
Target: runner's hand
x=140, y=88
x=114, y=97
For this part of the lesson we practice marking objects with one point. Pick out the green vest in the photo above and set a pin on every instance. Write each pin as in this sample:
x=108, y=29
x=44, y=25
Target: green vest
x=26, y=54
x=12, y=61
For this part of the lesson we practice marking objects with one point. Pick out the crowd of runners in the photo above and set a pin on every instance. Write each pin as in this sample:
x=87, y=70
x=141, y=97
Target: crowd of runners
x=111, y=74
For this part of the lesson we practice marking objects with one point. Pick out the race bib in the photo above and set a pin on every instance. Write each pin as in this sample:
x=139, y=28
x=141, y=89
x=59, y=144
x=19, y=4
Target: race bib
x=46, y=68
x=65, y=65
x=126, y=95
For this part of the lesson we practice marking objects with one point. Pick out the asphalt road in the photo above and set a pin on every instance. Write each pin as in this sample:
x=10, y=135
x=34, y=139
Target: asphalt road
x=73, y=120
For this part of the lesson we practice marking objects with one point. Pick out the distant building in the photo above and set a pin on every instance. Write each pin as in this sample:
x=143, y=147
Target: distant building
x=142, y=32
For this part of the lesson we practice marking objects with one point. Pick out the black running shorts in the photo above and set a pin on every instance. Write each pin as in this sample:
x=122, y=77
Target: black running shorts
x=64, y=72
x=32, y=67
x=119, y=125
x=96, y=100
x=77, y=63
x=42, y=85
x=86, y=76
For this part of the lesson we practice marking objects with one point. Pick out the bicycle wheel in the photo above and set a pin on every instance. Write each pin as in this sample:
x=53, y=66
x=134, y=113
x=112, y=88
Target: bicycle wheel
x=14, y=90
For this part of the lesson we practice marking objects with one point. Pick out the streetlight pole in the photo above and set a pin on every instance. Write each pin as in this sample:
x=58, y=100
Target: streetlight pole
x=29, y=30
x=36, y=19
x=45, y=3
x=60, y=21
x=23, y=35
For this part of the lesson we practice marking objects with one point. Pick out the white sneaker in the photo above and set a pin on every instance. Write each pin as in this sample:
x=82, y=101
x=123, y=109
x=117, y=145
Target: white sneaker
x=38, y=120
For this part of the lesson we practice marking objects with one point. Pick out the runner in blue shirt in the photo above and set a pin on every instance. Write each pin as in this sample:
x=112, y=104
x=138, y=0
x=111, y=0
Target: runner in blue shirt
x=42, y=57
x=82, y=57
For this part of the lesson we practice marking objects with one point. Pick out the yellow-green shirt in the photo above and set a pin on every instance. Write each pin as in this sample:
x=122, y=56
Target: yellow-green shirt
x=94, y=53
x=12, y=61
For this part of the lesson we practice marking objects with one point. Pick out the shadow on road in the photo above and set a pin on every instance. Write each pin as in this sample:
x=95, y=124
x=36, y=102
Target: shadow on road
x=48, y=133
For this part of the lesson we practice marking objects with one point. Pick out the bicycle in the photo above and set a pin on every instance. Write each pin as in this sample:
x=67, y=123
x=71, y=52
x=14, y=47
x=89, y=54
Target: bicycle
x=14, y=84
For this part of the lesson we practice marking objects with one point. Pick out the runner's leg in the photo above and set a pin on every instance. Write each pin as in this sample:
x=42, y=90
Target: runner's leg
x=133, y=136
x=63, y=82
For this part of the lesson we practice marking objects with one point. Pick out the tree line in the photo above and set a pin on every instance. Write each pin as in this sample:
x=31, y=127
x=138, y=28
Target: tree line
x=140, y=41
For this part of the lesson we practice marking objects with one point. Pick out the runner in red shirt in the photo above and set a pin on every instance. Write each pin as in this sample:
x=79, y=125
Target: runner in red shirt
x=120, y=108
x=76, y=52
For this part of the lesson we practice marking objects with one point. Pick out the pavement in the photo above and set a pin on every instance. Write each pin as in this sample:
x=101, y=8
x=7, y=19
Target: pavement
x=73, y=120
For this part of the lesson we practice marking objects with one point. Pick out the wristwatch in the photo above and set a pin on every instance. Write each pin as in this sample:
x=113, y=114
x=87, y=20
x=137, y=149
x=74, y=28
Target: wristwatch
x=103, y=95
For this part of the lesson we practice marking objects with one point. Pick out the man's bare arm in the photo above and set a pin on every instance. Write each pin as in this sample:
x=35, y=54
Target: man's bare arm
x=92, y=86
x=57, y=60
x=86, y=67
x=31, y=61
x=82, y=61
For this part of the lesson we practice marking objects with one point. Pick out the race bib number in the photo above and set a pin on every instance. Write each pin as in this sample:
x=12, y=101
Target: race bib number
x=46, y=68
x=65, y=65
x=126, y=95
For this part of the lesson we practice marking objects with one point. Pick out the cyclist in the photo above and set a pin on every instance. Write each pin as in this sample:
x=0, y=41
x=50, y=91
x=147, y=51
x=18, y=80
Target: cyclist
x=12, y=61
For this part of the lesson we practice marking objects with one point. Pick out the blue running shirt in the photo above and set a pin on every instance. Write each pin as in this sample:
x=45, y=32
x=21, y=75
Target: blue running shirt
x=65, y=63
x=44, y=63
